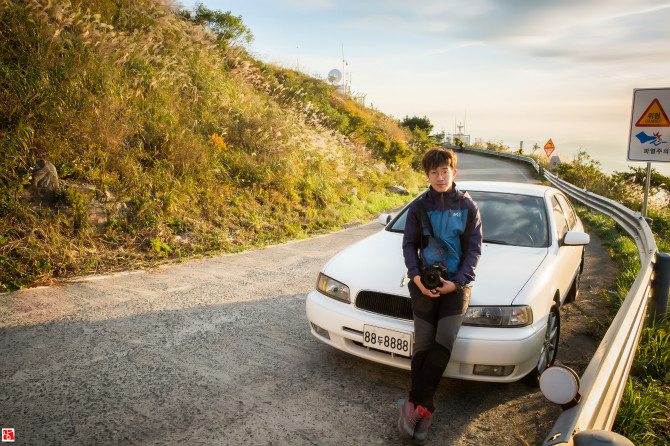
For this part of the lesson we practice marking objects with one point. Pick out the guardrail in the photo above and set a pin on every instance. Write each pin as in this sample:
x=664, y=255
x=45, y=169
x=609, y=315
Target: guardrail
x=602, y=384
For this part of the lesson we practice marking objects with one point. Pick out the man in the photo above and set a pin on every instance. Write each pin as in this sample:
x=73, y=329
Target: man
x=443, y=227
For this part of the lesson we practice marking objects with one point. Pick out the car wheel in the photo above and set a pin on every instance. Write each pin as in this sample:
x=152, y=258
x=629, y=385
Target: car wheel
x=549, y=346
x=573, y=294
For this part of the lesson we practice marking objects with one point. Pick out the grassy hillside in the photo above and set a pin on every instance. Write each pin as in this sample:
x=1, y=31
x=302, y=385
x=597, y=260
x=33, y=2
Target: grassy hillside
x=191, y=146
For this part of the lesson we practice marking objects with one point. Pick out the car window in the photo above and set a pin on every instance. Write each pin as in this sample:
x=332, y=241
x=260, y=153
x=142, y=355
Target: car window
x=559, y=217
x=398, y=224
x=507, y=219
x=568, y=210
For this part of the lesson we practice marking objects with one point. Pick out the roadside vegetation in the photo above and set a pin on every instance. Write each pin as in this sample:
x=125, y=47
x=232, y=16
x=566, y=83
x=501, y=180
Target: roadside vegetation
x=190, y=145
x=643, y=412
x=643, y=415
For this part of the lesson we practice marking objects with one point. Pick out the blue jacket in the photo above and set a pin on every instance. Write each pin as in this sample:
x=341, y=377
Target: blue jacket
x=457, y=225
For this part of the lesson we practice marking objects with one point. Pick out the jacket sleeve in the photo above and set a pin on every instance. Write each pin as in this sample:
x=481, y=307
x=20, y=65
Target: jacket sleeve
x=471, y=242
x=410, y=242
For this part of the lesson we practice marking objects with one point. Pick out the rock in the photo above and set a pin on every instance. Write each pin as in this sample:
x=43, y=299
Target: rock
x=44, y=187
x=43, y=183
x=397, y=190
x=101, y=206
x=559, y=158
x=381, y=167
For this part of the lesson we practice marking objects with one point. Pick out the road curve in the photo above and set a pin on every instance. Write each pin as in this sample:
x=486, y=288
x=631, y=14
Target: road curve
x=218, y=351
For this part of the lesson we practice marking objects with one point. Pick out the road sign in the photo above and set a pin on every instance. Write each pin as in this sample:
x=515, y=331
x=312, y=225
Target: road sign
x=549, y=148
x=650, y=126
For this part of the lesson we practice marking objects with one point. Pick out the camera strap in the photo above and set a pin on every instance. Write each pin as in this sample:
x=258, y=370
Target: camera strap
x=425, y=220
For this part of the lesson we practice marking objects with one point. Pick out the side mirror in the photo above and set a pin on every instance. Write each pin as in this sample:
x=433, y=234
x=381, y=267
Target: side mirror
x=384, y=219
x=573, y=238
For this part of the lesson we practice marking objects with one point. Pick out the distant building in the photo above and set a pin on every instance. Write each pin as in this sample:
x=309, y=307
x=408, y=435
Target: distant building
x=460, y=134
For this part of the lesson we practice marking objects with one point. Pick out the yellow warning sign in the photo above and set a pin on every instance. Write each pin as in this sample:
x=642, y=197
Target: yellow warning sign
x=654, y=116
x=549, y=148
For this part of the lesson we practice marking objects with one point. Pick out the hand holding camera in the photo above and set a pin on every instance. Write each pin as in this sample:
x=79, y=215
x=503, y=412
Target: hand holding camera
x=431, y=277
x=432, y=281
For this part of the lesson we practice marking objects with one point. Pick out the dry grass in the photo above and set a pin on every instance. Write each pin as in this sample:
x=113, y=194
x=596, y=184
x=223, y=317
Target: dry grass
x=208, y=149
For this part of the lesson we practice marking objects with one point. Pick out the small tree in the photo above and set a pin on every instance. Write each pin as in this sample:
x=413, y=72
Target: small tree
x=439, y=138
x=229, y=29
x=585, y=172
x=416, y=123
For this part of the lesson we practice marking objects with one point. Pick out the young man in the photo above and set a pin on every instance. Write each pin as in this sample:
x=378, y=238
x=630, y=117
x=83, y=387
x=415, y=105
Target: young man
x=455, y=242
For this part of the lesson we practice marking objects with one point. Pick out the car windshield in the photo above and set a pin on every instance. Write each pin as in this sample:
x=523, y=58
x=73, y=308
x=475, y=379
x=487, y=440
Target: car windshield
x=507, y=219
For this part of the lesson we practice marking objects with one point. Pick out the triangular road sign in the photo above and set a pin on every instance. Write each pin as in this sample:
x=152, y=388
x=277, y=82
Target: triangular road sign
x=654, y=116
x=549, y=148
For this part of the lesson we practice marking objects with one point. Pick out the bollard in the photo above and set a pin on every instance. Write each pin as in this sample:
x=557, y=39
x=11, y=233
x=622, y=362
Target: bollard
x=660, y=287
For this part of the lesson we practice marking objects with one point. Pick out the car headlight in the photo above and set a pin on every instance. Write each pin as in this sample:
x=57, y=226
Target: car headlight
x=511, y=316
x=332, y=288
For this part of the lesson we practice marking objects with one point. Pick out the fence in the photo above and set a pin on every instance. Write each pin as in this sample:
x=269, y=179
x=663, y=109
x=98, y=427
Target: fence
x=603, y=382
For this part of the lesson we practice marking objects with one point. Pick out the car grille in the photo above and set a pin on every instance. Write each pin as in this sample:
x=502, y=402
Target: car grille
x=387, y=304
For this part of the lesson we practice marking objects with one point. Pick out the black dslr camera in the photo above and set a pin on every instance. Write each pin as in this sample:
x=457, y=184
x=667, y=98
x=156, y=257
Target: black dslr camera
x=430, y=276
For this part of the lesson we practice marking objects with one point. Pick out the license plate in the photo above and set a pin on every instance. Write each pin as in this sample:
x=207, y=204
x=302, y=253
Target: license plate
x=398, y=342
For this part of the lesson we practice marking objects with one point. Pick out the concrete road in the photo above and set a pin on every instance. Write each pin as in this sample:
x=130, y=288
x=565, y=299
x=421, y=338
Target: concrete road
x=218, y=351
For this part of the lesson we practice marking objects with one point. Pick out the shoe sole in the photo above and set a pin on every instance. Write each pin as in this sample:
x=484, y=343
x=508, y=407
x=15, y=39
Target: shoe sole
x=402, y=431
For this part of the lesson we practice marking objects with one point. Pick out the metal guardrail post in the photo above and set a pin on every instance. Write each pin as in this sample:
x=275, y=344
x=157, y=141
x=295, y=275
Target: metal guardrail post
x=660, y=287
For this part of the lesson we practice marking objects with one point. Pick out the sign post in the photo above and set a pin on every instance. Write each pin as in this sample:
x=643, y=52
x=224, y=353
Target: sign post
x=549, y=147
x=649, y=130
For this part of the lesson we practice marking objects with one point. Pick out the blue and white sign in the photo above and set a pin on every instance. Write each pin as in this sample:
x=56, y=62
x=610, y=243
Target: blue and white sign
x=650, y=126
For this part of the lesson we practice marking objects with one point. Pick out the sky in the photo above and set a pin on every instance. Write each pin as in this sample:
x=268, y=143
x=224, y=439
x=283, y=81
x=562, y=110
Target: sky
x=508, y=70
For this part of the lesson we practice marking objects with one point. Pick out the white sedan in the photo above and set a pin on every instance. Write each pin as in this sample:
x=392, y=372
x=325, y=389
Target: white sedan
x=532, y=258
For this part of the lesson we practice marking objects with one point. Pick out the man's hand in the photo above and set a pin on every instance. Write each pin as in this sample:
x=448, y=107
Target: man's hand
x=447, y=287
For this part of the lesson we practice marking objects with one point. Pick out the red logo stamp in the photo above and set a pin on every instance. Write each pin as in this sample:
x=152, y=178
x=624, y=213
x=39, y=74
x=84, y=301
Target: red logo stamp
x=7, y=434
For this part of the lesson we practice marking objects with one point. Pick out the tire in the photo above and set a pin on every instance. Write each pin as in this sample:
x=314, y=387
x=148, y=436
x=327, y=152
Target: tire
x=549, y=346
x=573, y=294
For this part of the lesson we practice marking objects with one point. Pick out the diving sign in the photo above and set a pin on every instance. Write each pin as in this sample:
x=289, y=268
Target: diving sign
x=654, y=116
x=650, y=126
x=549, y=148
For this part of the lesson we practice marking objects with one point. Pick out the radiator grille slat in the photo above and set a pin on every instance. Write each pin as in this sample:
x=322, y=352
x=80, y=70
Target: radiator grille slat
x=387, y=304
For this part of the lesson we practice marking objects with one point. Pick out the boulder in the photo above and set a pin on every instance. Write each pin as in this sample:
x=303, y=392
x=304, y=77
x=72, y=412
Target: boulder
x=380, y=167
x=559, y=158
x=43, y=183
x=397, y=190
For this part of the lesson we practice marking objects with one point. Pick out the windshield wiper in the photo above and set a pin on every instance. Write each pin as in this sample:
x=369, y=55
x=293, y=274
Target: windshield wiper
x=497, y=242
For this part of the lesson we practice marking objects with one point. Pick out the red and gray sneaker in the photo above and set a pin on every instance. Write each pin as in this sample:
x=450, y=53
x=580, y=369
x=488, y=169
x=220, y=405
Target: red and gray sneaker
x=421, y=430
x=409, y=417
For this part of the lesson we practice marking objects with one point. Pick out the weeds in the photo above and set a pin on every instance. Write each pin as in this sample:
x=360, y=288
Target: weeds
x=206, y=149
x=643, y=411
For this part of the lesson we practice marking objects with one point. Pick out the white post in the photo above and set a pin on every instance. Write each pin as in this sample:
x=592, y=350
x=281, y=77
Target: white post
x=646, y=190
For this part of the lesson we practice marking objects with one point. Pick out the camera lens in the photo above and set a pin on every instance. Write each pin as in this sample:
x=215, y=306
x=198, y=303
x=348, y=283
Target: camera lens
x=431, y=279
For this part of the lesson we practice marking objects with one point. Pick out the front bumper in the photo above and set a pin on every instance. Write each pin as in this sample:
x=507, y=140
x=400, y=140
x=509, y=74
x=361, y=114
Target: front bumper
x=343, y=322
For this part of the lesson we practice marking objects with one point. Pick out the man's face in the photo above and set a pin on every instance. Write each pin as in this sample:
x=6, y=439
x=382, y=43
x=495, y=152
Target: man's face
x=442, y=178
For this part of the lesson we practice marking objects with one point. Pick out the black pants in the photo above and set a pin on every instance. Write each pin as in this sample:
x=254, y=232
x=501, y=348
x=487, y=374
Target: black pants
x=436, y=324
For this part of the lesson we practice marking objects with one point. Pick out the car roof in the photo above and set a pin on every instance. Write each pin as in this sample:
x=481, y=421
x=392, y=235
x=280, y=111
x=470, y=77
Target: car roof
x=537, y=190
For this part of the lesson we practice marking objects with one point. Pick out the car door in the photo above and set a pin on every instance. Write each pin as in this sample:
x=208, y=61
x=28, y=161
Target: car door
x=568, y=257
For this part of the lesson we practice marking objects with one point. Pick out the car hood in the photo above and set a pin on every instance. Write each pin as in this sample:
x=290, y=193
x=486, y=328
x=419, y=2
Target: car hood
x=376, y=263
